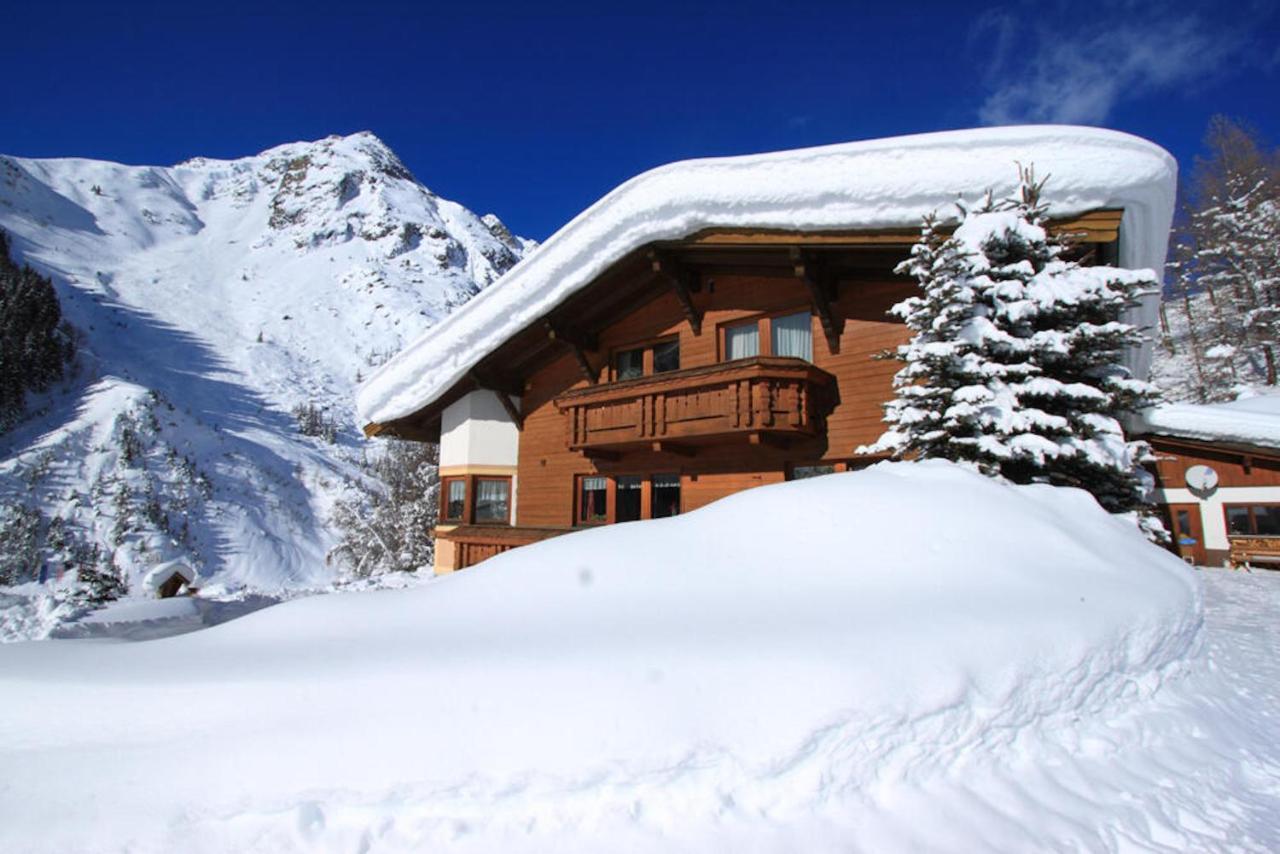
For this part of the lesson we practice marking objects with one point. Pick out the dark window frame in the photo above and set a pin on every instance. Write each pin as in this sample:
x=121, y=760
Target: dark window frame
x=445, y=482
x=647, y=360
x=1249, y=507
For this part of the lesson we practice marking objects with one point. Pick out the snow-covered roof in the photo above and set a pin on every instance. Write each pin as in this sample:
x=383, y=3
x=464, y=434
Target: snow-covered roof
x=885, y=183
x=1251, y=421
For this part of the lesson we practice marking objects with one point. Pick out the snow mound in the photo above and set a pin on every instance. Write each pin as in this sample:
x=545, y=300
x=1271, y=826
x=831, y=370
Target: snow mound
x=1249, y=421
x=864, y=185
x=846, y=643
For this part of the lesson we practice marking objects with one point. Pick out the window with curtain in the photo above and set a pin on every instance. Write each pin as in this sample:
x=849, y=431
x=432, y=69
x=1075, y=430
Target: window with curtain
x=666, y=356
x=627, y=499
x=593, y=497
x=628, y=364
x=455, y=502
x=742, y=341
x=666, y=496
x=793, y=336
x=493, y=499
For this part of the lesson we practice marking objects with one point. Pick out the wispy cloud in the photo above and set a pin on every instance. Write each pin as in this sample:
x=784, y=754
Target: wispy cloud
x=1045, y=72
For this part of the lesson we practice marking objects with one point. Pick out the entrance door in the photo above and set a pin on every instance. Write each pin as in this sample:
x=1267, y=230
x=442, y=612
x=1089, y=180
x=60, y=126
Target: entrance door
x=1187, y=532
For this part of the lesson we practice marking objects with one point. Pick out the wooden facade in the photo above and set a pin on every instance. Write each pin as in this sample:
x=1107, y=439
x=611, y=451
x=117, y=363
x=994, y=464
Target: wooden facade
x=634, y=398
x=1237, y=521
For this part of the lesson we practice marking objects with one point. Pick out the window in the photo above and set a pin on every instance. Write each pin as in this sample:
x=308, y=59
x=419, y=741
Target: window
x=593, y=498
x=637, y=362
x=1253, y=520
x=666, y=496
x=628, y=364
x=803, y=472
x=742, y=341
x=789, y=335
x=627, y=498
x=455, y=499
x=666, y=356
x=792, y=335
x=493, y=500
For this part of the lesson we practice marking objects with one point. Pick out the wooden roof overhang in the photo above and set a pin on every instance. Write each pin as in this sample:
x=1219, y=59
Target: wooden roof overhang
x=827, y=257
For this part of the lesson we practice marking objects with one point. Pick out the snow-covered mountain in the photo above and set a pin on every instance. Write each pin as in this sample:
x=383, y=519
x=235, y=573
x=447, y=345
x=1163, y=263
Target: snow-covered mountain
x=213, y=298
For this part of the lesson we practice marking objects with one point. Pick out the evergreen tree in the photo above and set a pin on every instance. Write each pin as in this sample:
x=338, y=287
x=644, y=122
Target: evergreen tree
x=34, y=344
x=389, y=526
x=1225, y=262
x=1016, y=362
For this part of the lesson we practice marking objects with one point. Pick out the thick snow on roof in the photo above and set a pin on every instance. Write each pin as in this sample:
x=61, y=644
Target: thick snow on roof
x=1251, y=421
x=993, y=668
x=887, y=183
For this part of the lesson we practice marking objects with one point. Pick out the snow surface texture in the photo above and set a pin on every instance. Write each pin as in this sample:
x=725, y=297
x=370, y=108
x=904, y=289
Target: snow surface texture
x=214, y=296
x=1249, y=421
x=1029, y=676
x=876, y=184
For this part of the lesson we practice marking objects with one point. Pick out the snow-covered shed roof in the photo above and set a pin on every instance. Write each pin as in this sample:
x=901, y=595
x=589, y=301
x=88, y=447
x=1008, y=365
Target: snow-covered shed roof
x=1252, y=421
x=876, y=184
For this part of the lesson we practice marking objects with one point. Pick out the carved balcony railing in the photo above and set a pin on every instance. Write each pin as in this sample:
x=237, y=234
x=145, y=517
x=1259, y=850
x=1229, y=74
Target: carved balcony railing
x=764, y=398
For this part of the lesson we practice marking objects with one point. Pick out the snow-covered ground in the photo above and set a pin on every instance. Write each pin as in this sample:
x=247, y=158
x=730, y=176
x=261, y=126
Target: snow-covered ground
x=905, y=658
x=213, y=297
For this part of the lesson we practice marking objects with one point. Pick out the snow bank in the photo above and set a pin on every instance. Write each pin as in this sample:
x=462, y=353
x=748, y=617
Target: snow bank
x=828, y=654
x=875, y=184
x=1251, y=421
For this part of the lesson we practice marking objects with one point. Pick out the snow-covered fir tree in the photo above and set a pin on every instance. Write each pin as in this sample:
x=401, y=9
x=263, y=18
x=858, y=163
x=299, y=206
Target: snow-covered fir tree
x=388, y=524
x=1016, y=365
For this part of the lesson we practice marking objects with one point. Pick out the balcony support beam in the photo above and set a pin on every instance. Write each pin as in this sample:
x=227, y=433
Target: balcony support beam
x=683, y=281
x=821, y=286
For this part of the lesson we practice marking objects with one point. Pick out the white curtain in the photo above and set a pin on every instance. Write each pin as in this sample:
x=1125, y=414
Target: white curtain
x=793, y=336
x=742, y=342
x=491, y=499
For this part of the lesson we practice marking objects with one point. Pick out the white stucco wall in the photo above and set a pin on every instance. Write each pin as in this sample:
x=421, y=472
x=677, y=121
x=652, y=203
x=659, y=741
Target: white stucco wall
x=476, y=431
x=1212, y=517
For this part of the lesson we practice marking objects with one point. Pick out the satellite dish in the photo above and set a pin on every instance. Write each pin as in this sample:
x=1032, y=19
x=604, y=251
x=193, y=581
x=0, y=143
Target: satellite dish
x=1202, y=479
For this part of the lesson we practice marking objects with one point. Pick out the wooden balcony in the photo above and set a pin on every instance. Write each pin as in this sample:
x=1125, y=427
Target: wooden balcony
x=764, y=399
x=475, y=543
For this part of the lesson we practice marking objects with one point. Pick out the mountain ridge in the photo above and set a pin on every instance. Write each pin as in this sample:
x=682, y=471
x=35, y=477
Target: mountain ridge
x=211, y=298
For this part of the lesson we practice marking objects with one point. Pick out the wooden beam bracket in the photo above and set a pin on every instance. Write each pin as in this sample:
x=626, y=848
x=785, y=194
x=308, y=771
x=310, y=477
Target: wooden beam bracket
x=503, y=391
x=822, y=290
x=683, y=281
x=579, y=343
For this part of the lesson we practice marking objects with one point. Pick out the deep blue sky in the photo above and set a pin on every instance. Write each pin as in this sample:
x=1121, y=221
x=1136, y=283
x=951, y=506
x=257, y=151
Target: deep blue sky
x=534, y=112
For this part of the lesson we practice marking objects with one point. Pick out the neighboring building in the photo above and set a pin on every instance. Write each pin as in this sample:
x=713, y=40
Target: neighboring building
x=1218, y=472
x=715, y=325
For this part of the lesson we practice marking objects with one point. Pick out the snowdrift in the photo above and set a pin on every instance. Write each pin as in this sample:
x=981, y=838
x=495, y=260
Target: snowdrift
x=847, y=643
x=883, y=183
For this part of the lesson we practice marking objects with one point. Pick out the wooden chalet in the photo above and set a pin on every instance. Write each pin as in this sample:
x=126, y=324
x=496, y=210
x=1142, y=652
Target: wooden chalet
x=1220, y=496
x=688, y=371
x=673, y=344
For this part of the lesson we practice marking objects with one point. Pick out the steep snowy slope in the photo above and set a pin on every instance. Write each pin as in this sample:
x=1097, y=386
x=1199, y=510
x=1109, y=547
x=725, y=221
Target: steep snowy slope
x=213, y=297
